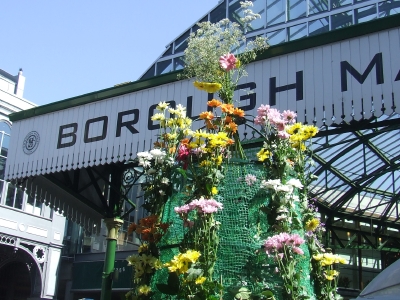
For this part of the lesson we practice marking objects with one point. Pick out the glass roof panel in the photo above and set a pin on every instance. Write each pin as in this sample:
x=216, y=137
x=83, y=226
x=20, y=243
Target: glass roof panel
x=358, y=170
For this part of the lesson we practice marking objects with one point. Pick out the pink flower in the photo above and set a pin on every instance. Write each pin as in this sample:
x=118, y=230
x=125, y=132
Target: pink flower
x=274, y=116
x=260, y=120
x=182, y=209
x=228, y=61
x=283, y=135
x=298, y=250
x=202, y=205
x=263, y=110
x=289, y=116
x=274, y=244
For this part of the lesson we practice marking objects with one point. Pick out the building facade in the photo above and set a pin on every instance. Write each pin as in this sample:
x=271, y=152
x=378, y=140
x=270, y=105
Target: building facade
x=31, y=233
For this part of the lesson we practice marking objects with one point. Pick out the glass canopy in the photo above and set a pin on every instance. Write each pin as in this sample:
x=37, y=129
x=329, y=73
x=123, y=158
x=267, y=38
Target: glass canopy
x=281, y=21
x=357, y=166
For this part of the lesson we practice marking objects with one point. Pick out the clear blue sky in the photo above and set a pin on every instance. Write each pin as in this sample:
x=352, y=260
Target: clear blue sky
x=74, y=47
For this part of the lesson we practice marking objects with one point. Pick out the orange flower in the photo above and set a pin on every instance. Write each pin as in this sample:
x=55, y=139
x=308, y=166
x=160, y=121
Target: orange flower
x=207, y=115
x=232, y=127
x=131, y=228
x=214, y=103
x=148, y=221
x=230, y=142
x=228, y=120
x=185, y=141
x=227, y=108
x=238, y=112
x=164, y=226
x=172, y=150
x=158, y=145
x=210, y=125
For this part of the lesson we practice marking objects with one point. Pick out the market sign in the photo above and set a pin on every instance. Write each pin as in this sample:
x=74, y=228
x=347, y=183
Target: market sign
x=349, y=80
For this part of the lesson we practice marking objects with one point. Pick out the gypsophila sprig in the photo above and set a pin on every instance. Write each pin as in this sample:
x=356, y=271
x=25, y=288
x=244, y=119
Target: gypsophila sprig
x=217, y=54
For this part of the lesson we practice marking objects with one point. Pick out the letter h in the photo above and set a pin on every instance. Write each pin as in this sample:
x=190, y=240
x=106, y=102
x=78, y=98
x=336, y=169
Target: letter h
x=298, y=86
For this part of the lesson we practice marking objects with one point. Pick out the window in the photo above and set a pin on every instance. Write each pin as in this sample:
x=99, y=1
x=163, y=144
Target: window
x=164, y=67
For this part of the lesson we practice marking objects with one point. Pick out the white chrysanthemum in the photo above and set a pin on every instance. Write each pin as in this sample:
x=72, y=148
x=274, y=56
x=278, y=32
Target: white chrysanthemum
x=165, y=180
x=284, y=188
x=162, y=106
x=158, y=117
x=144, y=155
x=156, y=153
x=271, y=184
x=295, y=182
x=144, y=163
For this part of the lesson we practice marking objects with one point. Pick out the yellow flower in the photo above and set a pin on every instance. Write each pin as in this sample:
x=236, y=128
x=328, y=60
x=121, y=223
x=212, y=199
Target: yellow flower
x=294, y=128
x=318, y=257
x=331, y=274
x=200, y=280
x=299, y=145
x=329, y=259
x=212, y=87
x=209, y=87
x=214, y=190
x=342, y=261
x=191, y=255
x=205, y=164
x=200, y=134
x=312, y=224
x=238, y=63
x=143, y=248
x=171, y=136
x=218, y=160
x=263, y=154
x=309, y=131
x=144, y=290
x=133, y=260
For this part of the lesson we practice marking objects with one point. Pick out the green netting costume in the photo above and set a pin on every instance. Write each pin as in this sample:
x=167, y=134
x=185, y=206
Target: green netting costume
x=241, y=262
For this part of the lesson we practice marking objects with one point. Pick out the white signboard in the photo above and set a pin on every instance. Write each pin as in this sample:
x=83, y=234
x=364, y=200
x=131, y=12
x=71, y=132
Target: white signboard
x=351, y=79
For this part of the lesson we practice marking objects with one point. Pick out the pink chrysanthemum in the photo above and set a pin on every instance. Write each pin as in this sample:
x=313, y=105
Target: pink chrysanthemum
x=228, y=61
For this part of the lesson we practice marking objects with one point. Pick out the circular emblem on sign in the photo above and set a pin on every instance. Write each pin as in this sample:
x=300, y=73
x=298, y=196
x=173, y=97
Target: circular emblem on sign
x=31, y=142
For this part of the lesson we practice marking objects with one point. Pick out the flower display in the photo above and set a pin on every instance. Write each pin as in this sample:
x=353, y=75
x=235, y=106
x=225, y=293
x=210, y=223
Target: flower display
x=184, y=187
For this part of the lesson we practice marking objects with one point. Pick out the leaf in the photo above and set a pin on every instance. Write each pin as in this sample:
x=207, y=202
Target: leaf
x=182, y=172
x=173, y=280
x=165, y=289
x=268, y=293
x=241, y=293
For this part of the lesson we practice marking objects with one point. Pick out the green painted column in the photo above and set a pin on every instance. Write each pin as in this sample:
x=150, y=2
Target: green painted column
x=113, y=225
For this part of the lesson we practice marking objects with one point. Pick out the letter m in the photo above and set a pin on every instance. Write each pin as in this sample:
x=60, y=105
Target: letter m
x=346, y=67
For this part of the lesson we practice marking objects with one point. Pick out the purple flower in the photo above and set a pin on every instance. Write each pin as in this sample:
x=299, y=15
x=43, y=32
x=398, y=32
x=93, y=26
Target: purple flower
x=250, y=179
